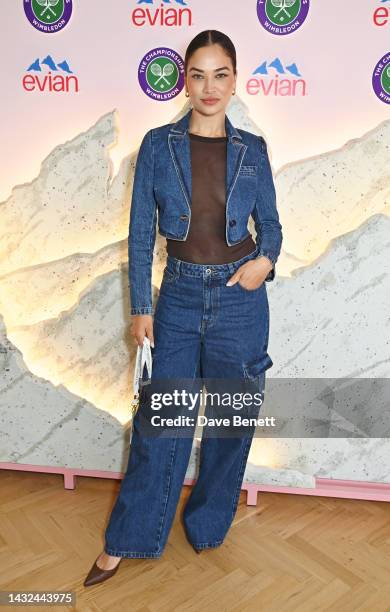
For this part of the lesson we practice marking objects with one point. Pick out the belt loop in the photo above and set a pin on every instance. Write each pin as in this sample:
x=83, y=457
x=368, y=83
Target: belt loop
x=178, y=262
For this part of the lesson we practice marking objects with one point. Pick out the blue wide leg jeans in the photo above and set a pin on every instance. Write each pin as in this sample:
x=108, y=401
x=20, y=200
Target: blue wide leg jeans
x=202, y=329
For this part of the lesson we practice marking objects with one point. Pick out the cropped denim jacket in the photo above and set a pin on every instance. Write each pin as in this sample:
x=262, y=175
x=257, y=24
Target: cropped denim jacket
x=162, y=192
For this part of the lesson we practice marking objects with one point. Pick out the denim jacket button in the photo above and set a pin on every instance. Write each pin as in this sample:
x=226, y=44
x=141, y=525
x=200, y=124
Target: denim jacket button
x=232, y=222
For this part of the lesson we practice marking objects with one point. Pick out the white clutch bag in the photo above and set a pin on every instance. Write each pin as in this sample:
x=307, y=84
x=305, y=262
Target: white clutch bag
x=144, y=356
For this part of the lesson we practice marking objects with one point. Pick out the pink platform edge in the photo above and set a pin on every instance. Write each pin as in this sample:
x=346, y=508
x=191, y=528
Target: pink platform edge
x=325, y=487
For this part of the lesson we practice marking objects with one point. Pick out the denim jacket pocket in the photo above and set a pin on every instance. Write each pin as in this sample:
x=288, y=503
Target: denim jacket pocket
x=248, y=170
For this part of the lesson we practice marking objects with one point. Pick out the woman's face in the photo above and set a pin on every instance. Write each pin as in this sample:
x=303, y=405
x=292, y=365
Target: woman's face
x=210, y=76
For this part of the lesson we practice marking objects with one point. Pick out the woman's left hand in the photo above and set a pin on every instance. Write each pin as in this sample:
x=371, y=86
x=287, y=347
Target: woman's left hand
x=252, y=273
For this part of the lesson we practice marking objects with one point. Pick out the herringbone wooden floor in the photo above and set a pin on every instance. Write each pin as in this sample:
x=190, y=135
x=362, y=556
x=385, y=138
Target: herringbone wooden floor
x=289, y=553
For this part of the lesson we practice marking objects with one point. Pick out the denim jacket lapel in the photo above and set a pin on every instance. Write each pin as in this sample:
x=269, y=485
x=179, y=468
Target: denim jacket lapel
x=179, y=146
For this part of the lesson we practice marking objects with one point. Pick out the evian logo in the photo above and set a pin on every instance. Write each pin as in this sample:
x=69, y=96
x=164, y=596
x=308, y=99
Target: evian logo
x=48, y=76
x=167, y=13
x=274, y=79
x=381, y=16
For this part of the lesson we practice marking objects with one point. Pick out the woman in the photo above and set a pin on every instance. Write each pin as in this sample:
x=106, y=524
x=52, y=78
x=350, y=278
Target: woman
x=205, y=178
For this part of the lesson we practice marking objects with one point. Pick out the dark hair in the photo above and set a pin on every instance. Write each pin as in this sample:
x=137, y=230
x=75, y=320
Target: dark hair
x=207, y=38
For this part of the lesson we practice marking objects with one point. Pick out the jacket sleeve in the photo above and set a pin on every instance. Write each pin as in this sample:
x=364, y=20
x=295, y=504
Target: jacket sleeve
x=142, y=230
x=265, y=215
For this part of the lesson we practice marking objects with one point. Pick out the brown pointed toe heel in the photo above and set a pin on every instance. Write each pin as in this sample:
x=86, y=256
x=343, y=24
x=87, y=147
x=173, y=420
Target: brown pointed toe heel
x=96, y=574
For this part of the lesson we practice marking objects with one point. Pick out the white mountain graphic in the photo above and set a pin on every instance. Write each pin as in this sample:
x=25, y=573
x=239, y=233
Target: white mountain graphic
x=63, y=263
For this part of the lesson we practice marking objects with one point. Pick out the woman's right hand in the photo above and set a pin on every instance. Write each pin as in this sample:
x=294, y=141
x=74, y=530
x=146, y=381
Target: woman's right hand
x=142, y=325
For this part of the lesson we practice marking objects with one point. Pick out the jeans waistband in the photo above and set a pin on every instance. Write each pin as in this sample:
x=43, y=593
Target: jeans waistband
x=179, y=266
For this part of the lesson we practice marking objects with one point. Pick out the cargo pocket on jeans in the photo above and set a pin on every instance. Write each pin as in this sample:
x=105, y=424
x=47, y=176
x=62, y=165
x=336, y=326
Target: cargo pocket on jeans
x=254, y=373
x=254, y=369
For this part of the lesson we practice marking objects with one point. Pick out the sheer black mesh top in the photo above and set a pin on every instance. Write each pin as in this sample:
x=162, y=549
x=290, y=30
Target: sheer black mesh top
x=206, y=242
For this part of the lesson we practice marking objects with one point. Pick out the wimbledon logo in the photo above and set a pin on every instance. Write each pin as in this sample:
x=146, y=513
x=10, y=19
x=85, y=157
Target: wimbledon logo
x=381, y=79
x=282, y=16
x=161, y=74
x=48, y=15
